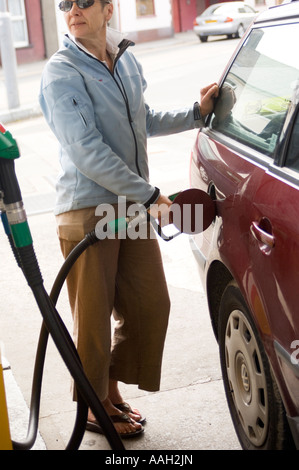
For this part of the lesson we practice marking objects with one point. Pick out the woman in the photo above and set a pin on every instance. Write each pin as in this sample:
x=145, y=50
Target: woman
x=92, y=98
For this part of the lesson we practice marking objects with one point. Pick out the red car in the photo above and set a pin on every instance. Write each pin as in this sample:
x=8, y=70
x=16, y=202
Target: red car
x=247, y=160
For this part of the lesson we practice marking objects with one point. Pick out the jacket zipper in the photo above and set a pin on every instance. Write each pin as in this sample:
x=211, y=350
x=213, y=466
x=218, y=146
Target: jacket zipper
x=130, y=122
x=122, y=48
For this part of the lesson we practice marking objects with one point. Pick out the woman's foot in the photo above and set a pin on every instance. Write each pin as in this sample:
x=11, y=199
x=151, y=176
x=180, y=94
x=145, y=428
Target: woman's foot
x=124, y=424
x=132, y=412
x=117, y=400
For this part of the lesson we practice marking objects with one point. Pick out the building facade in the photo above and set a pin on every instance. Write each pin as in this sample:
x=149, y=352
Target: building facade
x=145, y=20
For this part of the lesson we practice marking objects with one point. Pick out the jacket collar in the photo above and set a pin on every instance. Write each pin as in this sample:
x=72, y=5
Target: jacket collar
x=116, y=43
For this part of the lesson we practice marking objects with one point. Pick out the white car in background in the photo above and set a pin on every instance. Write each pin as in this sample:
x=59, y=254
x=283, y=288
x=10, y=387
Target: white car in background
x=229, y=18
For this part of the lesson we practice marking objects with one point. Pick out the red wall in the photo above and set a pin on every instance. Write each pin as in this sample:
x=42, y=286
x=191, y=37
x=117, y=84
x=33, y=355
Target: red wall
x=183, y=12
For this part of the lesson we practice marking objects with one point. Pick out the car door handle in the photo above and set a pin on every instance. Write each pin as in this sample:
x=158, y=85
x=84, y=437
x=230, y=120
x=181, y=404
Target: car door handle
x=263, y=234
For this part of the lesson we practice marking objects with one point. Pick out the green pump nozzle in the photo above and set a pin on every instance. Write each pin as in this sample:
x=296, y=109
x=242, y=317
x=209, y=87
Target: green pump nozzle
x=8, y=145
x=12, y=205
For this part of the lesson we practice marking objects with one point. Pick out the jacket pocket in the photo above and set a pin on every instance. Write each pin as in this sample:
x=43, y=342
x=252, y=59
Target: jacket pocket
x=79, y=111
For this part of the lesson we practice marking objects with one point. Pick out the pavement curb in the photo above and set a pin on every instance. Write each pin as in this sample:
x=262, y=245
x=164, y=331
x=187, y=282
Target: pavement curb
x=21, y=113
x=18, y=412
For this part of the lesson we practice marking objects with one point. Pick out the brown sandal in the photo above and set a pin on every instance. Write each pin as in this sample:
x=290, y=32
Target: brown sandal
x=126, y=408
x=94, y=426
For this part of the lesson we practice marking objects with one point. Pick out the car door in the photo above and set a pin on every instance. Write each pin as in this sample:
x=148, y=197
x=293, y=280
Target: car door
x=260, y=208
x=275, y=248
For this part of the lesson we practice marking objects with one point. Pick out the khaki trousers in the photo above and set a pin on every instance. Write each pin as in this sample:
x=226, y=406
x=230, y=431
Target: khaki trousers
x=124, y=277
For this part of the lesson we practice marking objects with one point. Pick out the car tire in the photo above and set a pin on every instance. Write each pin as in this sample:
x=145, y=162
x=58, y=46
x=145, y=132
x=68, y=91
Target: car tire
x=203, y=38
x=252, y=395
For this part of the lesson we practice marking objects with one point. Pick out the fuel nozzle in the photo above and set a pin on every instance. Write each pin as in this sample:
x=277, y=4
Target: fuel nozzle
x=10, y=190
x=8, y=145
x=12, y=210
x=9, y=151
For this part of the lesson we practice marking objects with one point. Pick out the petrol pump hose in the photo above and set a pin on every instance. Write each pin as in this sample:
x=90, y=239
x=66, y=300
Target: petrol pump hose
x=14, y=219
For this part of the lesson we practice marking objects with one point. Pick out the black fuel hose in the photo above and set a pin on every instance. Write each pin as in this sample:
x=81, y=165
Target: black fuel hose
x=82, y=408
x=52, y=323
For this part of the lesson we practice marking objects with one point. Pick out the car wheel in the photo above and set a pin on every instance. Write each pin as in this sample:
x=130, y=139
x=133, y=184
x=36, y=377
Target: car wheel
x=252, y=395
x=240, y=31
x=203, y=38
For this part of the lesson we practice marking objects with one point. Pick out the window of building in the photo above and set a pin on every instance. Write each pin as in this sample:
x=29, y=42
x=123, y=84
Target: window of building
x=145, y=8
x=19, y=23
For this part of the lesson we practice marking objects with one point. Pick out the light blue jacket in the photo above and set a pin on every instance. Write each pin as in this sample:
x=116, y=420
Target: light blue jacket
x=102, y=123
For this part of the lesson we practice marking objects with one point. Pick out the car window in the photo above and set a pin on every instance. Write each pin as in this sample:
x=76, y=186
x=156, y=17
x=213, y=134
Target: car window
x=258, y=89
x=210, y=10
x=248, y=9
x=224, y=10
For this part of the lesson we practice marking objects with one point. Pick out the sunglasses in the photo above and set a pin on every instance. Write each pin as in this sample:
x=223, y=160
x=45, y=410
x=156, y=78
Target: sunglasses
x=68, y=5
